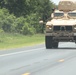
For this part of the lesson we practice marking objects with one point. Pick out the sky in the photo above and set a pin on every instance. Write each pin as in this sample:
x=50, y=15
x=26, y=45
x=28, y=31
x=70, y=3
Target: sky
x=55, y=1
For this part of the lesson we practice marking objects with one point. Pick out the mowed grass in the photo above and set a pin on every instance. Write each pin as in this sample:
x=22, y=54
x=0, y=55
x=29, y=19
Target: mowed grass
x=8, y=40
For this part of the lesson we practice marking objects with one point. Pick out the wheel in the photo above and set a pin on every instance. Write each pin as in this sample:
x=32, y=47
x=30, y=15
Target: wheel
x=55, y=44
x=75, y=42
x=75, y=39
x=48, y=42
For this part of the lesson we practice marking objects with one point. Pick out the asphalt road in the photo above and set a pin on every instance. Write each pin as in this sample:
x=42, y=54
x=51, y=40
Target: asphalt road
x=37, y=60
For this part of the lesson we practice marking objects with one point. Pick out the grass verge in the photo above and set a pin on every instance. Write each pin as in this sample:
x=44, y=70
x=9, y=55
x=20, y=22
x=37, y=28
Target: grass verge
x=8, y=40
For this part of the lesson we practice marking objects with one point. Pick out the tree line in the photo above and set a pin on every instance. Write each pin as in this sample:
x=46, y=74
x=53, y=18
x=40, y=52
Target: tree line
x=22, y=16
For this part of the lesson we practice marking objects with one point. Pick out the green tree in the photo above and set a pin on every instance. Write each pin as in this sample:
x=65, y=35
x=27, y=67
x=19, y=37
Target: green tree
x=27, y=15
x=26, y=7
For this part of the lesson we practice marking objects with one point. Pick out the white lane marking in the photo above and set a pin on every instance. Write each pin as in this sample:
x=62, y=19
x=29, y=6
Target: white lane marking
x=21, y=52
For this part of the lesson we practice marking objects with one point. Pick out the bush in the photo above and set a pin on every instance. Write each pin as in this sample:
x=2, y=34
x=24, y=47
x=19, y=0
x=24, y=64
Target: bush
x=26, y=29
x=19, y=23
x=10, y=23
x=6, y=20
x=33, y=20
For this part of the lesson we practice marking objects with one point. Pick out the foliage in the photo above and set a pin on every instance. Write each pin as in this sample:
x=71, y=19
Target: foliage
x=22, y=16
x=9, y=23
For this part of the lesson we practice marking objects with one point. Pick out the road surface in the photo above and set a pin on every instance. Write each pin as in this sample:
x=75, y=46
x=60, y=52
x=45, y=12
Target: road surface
x=37, y=60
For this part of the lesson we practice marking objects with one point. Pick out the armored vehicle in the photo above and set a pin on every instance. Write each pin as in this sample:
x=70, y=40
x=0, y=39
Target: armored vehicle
x=62, y=27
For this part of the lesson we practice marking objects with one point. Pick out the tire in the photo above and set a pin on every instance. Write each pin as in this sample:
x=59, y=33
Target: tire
x=48, y=42
x=75, y=42
x=75, y=39
x=55, y=44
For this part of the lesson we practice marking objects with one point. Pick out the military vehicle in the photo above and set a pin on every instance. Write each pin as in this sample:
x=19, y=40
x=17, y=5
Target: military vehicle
x=62, y=27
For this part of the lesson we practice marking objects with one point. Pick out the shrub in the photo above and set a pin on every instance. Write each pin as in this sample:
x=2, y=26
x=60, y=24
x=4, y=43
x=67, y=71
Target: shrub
x=26, y=29
x=10, y=23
